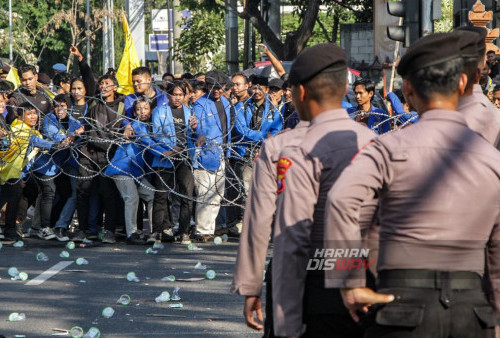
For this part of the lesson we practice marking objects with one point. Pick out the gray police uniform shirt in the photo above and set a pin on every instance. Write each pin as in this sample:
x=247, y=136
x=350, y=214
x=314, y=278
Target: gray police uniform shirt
x=259, y=213
x=481, y=115
x=305, y=174
x=439, y=188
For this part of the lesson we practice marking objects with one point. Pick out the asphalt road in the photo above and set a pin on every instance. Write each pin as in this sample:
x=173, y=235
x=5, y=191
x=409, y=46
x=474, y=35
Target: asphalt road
x=76, y=298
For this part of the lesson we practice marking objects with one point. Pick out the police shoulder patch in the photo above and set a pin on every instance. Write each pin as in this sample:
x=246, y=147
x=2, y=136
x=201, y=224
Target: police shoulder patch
x=284, y=163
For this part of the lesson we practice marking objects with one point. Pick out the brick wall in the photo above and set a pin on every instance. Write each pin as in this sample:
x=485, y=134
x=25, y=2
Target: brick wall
x=357, y=40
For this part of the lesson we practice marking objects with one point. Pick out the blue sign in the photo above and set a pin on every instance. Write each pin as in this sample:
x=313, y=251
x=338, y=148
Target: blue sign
x=158, y=42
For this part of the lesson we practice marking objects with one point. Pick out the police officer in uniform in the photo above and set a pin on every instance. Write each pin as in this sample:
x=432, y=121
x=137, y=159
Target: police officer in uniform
x=257, y=225
x=439, y=188
x=302, y=305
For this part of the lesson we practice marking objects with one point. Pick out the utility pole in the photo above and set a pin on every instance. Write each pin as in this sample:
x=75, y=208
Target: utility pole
x=231, y=37
x=176, y=30
x=135, y=12
x=108, y=51
x=87, y=28
x=11, y=58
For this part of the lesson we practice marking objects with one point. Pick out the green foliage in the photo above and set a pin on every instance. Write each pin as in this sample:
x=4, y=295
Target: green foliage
x=445, y=24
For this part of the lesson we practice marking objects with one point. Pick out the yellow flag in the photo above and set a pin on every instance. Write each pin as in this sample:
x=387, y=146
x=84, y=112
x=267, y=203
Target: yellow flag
x=13, y=76
x=130, y=60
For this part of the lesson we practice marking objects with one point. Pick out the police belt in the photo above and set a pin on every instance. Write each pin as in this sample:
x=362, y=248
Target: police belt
x=428, y=279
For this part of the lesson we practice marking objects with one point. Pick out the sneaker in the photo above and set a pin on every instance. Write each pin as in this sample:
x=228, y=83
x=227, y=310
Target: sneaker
x=185, y=240
x=168, y=235
x=108, y=237
x=90, y=235
x=19, y=229
x=198, y=238
x=220, y=231
x=153, y=237
x=11, y=236
x=46, y=233
x=61, y=234
x=120, y=232
x=136, y=239
x=78, y=236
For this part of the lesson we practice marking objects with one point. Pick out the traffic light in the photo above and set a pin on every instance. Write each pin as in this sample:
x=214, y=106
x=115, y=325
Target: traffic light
x=409, y=10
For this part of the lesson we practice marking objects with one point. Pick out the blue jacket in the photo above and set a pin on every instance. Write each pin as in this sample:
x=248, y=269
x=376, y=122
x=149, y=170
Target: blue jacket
x=397, y=107
x=161, y=100
x=164, y=136
x=53, y=130
x=272, y=123
x=374, y=119
x=217, y=145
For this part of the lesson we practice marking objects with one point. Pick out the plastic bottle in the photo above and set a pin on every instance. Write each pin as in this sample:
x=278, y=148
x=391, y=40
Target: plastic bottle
x=93, y=332
x=17, y=317
x=64, y=254
x=170, y=278
x=192, y=247
x=200, y=266
x=224, y=238
x=176, y=306
x=76, y=332
x=175, y=294
x=70, y=245
x=131, y=277
x=163, y=297
x=158, y=245
x=13, y=272
x=151, y=251
x=16, y=275
x=217, y=240
x=123, y=300
x=41, y=257
x=22, y=276
x=210, y=274
x=81, y=261
x=108, y=312
x=18, y=244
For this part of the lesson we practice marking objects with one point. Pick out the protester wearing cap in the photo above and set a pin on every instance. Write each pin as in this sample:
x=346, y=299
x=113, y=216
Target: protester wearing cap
x=434, y=236
x=481, y=115
x=213, y=141
x=305, y=173
x=59, y=68
x=256, y=120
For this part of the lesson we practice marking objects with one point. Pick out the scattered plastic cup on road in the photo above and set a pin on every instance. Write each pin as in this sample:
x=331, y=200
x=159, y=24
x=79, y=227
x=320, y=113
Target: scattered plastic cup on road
x=217, y=240
x=176, y=306
x=41, y=257
x=17, y=317
x=163, y=297
x=81, y=261
x=151, y=251
x=70, y=245
x=108, y=312
x=93, y=332
x=131, y=277
x=210, y=274
x=170, y=278
x=200, y=266
x=13, y=271
x=224, y=238
x=64, y=254
x=123, y=300
x=175, y=294
x=158, y=245
x=76, y=332
x=16, y=275
x=18, y=244
x=22, y=276
x=192, y=247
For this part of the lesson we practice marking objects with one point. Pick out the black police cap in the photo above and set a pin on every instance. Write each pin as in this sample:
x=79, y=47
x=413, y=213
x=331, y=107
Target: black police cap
x=278, y=83
x=260, y=80
x=316, y=59
x=468, y=43
x=479, y=30
x=428, y=51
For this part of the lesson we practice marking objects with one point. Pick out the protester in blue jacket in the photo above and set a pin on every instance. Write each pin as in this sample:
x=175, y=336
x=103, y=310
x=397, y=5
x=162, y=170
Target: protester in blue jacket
x=374, y=118
x=213, y=113
x=173, y=128
x=401, y=109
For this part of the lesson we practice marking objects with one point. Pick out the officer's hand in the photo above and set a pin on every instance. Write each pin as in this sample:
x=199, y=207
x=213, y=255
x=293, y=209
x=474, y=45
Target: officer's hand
x=253, y=304
x=360, y=299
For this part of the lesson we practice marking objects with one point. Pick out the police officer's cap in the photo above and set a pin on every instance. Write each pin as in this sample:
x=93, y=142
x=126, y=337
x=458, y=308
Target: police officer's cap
x=277, y=83
x=316, y=59
x=59, y=67
x=478, y=30
x=429, y=51
x=468, y=43
x=260, y=80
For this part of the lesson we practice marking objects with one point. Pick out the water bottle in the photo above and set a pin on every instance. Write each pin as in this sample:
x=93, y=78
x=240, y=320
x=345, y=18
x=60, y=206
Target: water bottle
x=163, y=297
x=81, y=261
x=76, y=332
x=158, y=245
x=70, y=245
x=17, y=317
x=151, y=251
x=18, y=244
x=41, y=257
x=170, y=278
x=192, y=247
x=131, y=277
x=108, y=312
x=210, y=274
x=224, y=238
x=175, y=294
x=64, y=254
x=123, y=300
x=93, y=332
x=217, y=240
x=200, y=266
